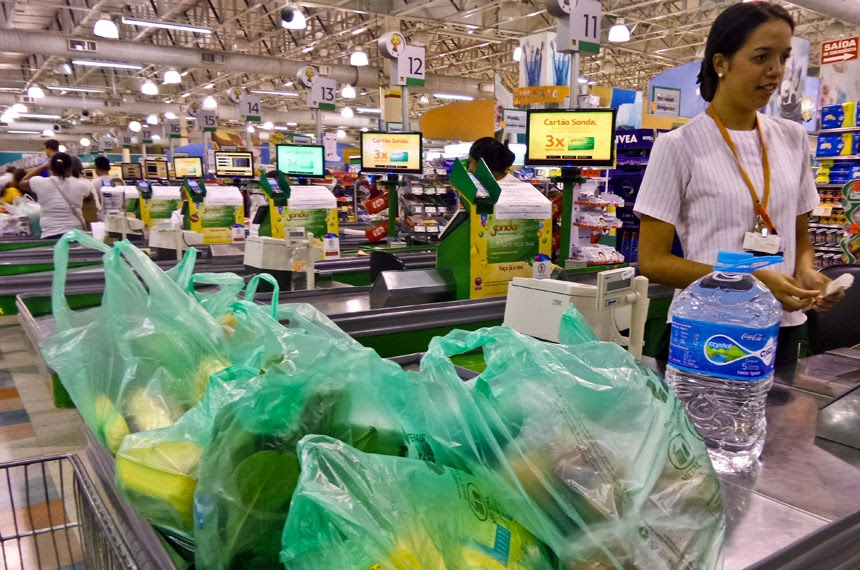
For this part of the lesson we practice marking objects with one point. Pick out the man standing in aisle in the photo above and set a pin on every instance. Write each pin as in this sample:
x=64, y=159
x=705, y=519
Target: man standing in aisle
x=52, y=146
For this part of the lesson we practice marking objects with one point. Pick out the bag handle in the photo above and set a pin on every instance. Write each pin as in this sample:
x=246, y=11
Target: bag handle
x=60, y=306
x=251, y=290
x=181, y=272
x=229, y=286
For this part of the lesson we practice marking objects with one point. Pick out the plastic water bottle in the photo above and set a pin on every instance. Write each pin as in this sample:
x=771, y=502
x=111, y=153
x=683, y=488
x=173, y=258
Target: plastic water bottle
x=721, y=357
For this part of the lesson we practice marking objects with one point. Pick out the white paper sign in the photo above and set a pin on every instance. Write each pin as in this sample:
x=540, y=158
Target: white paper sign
x=249, y=107
x=521, y=201
x=330, y=145
x=515, y=121
x=411, y=67
x=311, y=198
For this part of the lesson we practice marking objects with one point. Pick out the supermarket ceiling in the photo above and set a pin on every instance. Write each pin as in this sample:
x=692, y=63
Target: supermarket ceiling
x=467, y=42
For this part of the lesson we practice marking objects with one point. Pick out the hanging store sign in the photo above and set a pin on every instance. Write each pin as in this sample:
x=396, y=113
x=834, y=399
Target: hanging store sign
x=322, y=94
x=514, y=121
x=411, y=70
x=392, y=45
x=665, y=102
x=173, y=128
x=540, y=94
x=206, y=120
x=249, y=106
x=838, y=51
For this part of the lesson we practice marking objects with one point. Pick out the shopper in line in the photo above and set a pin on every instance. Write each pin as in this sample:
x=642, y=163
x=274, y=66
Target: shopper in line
x=60, y=196
x=13, y=189
x=732, y=171
x=103, y=175
x=52, y=146
x=498, y=157
x=7, y=176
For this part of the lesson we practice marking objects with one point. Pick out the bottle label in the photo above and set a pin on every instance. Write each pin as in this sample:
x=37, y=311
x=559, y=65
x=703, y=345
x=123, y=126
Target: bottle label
x=726, y=351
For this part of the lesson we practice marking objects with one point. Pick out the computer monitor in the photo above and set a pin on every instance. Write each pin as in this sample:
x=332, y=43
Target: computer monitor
x=115, y=171
x=230, y=164
x=306, y=161
x=89, y=173
x=393, y=153
x=188, y=167
x=155, y=169
x=131, y=171
x=571, y=138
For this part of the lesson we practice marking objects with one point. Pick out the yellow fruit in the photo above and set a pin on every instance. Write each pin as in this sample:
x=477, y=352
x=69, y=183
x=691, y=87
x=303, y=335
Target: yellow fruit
x=229, y=324
x=147, y=412
x=208, y=365
x=112, y=424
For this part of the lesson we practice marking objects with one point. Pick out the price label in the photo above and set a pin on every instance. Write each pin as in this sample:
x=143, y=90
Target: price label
x=250, y=108
x=420, y=229
x=147, y=136
x=206, y=120
x=430, y=209
x=823, y=210
x=322, y=94
x=411, y=67
x=173, y=128
x=417, y=190
x=432, y=229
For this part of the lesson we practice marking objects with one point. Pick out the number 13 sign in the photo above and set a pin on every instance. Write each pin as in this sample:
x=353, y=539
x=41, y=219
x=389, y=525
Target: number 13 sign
x=322, y=94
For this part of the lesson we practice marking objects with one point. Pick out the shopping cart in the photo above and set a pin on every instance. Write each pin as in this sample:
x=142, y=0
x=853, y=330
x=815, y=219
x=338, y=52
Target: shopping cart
x=51, y=516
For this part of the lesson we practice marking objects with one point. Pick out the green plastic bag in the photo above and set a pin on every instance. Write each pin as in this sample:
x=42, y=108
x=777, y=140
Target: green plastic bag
x=355, y=510
x=141, y=359
x=574, y=328
x=600, y=445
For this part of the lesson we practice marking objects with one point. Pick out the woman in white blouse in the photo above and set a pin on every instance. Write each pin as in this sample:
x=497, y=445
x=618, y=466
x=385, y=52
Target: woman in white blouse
x=60, y=197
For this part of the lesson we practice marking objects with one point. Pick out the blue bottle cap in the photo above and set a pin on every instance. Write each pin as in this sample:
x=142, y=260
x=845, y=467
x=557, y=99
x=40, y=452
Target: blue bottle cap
x=743, y=262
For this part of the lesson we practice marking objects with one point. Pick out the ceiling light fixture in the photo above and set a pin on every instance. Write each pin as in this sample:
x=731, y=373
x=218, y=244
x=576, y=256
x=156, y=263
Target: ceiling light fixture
x=268, y=125
x=364, y=129
x=619, y=33
x=156, y=137
x=347, y=113
x=14, y=132
x=455, y=97
x=292, y=124
x=250, y=128
x=166, y=26
x=170, y=115
x=282, y=128
x=518, y=53
x=358, y=58
x=18, y=108
x=35, y=92
x=184, y=73
x=288, y=84
x=63, y=69
x=184, y=95
x=39, y=116
x=369, y=110
x=106, y=28
x=152, y=119
x=582, y=80
x=76, y=89
x=48, y=133
x=111, y=64
x=341, y=134
x=210, y=103
x=134, y=126
x=171, y=76
x=292, y=18
x=209, y=86
x=423, y=99
x=149, y=87
x=348, y=92
x=84, y=141
x=278, y=93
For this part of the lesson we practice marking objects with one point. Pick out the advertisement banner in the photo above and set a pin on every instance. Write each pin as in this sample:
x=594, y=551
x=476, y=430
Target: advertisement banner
x=154, y=211
x=787, y=102
x=214, y=222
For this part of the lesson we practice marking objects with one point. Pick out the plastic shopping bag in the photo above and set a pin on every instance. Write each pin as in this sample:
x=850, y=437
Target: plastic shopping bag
x=574, y=328
x=25, y=207
x=355, y=510
x=600, y=445
x=141, y=359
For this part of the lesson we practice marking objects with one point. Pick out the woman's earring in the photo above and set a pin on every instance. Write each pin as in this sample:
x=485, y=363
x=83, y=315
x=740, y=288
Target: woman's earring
x=721, y=75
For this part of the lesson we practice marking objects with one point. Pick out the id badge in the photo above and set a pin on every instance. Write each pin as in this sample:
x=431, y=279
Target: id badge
x=757, y=243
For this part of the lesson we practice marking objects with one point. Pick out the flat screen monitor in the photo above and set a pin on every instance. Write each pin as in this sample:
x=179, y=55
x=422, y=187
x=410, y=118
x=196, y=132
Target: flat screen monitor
x=571, y=138
x=230, y=164
x=155, y=169
x=115, y=171
x=397, y=153
x=131, y=171
x=89, y=173
x=188, y=167
x=301, y=161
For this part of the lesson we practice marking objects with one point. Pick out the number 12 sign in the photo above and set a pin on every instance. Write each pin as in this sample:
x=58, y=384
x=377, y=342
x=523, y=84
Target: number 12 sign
x=411, y=67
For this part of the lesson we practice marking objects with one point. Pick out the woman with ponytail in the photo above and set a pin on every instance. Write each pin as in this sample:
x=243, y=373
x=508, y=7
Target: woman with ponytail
x=498, y=157
x=60, y=196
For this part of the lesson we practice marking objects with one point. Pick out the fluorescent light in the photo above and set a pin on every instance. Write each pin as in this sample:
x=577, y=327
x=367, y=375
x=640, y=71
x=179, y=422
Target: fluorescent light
x=23, y=132
x=288, y=84
x=166, y=26
x=19, y=108
x=184, y=95
x=152, y=119
x=209, y=86
x=341, y=134
x=364, y=129
x=48, y=133
x=113, y=64
x=85, y=141
x=134, y=126
x=38, y=116
x=184, y=73
x=148, y=87
x=170, y=115
x=62, y=148
x=348, y=92
x=449, y=96
x=35, y=92
x=171, y=76
x=582, y=80
x=106, y=28
x=278, y=93
x=518, y=53
x=292, y=124
x=619, y=32
x=485, y=44
x=282, y=128
x=297, y=22
x=156, y=137
x=250, y=128
x=358, y=31
x=369, y=110
x=308, y=49
x=346, y=113
x=75, y=89
x=210, y=103
x=423, y=99
x=358, y=58
x=268, y=125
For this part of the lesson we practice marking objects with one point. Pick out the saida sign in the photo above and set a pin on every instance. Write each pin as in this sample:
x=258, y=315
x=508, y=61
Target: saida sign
x=840, y=50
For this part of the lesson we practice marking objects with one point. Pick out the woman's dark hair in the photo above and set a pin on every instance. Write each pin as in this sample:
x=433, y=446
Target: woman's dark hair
x=61, y=164
x=102, y=163
x=497, y=155
x=729, y=33
x=18, y=175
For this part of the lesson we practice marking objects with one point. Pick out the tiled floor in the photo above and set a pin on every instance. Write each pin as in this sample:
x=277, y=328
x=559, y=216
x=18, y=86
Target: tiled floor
x=36, y=498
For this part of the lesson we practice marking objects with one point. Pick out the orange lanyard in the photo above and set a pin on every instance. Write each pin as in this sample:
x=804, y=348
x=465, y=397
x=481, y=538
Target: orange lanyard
x=760, y=206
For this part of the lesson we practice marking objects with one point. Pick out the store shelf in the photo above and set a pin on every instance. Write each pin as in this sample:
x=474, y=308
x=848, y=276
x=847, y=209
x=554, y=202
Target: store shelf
x=827, y=226
x=830, y=186
x=831, y=248
x=848, y=157
x=842, y=130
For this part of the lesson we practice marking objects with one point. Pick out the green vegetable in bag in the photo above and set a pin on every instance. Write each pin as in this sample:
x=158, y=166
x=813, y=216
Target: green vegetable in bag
x=355, y=510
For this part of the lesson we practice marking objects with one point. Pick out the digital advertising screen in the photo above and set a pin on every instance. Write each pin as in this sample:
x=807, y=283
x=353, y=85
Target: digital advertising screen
x=571, y=138
x=115, y=171
x=229, y=164
x=187, y=167
x=131, y=171
x=300, y=160
x=155, y=169
x=391, y=152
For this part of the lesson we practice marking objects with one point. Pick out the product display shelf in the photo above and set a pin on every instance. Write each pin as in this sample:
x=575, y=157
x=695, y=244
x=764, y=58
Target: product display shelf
x=846, y=157
x=830, y=186
x=840, y=130
x=426, y=209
